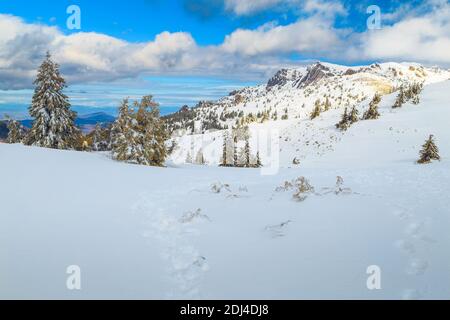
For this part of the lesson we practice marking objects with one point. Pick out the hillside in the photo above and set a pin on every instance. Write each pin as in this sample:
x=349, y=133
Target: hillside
x=189, y=231
x=283, y=106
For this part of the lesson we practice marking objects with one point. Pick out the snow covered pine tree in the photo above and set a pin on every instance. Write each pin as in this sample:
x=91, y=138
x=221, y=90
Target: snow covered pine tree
x=139, y=137
x=101, y=138
x=372, y=113
x=429, y=151
x=16, y=132
x=54, y=122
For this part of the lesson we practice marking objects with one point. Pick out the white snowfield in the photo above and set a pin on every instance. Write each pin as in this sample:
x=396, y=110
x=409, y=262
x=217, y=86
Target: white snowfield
x=205, y=232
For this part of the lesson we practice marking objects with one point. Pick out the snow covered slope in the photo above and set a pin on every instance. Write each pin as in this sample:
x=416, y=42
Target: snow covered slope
x=205, y=232
x=292, y=94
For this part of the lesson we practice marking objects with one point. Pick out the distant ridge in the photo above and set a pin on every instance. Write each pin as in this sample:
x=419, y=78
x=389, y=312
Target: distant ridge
x=86, y=122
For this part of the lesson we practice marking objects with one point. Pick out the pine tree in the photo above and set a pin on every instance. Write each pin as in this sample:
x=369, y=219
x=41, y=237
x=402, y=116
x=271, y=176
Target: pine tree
x=151, y=133
x=353, y=117
x=327, y=104
x=54, y=122
x=258, y=160
x=415, y=91
x=235, y=153
x=121, y=134
x=100, y=139
x=16, y=132
x=372, y=113
x=200, y=159
x=247, y=152
x=429, y=151
x=188, y=158
x=139, y=137
x=316, y=111
x=224, y=150
x=344, y=123
x=401, y=99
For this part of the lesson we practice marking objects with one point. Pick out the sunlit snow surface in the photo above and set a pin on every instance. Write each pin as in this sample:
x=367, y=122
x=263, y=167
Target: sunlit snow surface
x=136, y=232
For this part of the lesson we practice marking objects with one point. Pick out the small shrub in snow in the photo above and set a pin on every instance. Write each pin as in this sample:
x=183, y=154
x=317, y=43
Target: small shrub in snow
x=303, y=189
x=189, y=217
x=339, y=189
x=218, y=187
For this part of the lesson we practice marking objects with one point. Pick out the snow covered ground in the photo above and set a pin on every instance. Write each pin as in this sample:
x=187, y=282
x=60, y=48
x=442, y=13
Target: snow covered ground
x=204, y=232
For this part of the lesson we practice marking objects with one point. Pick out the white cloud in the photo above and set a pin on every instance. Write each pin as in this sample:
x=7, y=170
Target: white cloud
x=247, y=7
x=324, y=7
x=311, y=35
x=423, y=37
x=246, y=53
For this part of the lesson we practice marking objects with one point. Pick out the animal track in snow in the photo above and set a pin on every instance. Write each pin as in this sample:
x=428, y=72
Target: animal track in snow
x=186, y=265
x=278, y=230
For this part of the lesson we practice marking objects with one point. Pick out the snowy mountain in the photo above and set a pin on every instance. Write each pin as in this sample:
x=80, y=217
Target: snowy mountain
x=283, y=106
x=198, y=232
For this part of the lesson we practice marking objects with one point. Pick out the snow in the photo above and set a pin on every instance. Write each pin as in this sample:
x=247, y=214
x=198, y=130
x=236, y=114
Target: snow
x=137, y=232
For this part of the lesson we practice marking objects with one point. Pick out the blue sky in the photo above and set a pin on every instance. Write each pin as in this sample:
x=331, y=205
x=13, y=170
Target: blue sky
x=183, y=51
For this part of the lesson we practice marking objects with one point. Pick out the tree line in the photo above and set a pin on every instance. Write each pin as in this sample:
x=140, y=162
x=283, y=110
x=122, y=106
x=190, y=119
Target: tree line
x=137, y=136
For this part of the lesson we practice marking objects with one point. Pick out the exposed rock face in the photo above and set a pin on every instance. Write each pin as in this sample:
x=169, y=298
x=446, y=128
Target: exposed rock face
x=350, y=72
x=314, y=74
x=282, y=77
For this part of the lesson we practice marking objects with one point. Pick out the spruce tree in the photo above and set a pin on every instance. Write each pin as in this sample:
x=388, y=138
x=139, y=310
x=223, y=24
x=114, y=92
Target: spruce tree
x=189, y=157
x=54, y=122
x=139, y=137
x=401, y=99
x=121, y=134
x=224, y=150
x=152, y=133
x=327, y=105
x=200, y=159
x=235, y=152
x=344, y=123
x=316, y=111
x=247, y=152
x=16, y=132
x=258, y=160
x=372, y=113
x=429, y=151
x=100, y=138
x=353, y=117
x=415, y=91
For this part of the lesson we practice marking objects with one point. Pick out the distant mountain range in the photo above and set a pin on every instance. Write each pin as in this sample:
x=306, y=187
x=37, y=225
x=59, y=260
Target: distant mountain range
x=85, y=122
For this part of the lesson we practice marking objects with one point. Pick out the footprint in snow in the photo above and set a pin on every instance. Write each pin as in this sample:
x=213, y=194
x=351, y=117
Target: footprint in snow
x=278, y=230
